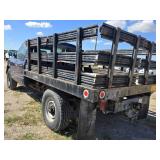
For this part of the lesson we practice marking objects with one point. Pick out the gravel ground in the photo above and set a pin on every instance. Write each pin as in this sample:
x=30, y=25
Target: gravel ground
x=23, y=120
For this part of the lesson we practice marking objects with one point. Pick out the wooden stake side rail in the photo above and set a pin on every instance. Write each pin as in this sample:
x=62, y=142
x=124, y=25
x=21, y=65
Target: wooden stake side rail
x=116, y=35
x=107, y=31
x=87, y=33
x=93, y=79
x=93, y=57
x=78, y=35
x=48, y=64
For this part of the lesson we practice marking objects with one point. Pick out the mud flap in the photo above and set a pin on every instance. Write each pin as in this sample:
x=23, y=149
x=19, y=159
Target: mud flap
x=144, y=108
x=86, y=122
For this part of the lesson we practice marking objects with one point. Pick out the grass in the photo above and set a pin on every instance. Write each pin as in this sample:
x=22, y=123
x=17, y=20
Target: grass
x=34, y=107
x=16, y=94
x=32, y=136
x=6, y=110
x=28, y=136
x=12, y=120
x=28, y=115
x=32, y=116
x=7, y=104
x=30, y=119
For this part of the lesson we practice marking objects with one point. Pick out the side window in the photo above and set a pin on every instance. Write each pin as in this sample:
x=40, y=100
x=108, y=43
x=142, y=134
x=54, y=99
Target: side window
x=59, y=50
x=22, y=51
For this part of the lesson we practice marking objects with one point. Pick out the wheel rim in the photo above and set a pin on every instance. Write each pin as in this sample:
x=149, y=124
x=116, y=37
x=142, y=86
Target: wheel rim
x=50, y=110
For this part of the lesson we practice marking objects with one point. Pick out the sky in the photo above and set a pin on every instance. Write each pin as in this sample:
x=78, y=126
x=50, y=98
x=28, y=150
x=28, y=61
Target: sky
x=17, y=31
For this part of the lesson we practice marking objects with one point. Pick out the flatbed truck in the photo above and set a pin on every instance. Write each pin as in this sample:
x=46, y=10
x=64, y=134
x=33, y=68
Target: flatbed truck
x=76, y=83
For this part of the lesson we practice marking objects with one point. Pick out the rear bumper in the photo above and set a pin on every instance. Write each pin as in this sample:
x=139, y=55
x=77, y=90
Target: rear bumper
x=116, y=93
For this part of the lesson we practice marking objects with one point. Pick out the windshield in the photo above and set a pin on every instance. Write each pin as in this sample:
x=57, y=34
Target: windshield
x=22, y=51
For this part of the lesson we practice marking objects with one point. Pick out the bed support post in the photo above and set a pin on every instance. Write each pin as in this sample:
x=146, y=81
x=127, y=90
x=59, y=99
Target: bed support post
x=39, y=55
x=134, y=60
x=55, y=43
x=113, y=56
x=78, y=56
x=87, y=119
x=148, y=61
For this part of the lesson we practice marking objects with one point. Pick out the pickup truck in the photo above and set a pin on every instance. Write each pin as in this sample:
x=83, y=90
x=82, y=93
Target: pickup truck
x=76, y=83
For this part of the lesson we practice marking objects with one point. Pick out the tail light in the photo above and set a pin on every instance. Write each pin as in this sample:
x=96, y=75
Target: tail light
x=102, y=94
x=85, y=93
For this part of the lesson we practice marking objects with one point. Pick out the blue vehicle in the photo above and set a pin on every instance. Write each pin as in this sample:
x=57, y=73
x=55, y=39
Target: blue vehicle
x=16, y=63
x=10, y=53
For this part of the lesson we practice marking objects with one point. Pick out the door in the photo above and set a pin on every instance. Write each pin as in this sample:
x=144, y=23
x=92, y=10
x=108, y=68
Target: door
x=19, y=63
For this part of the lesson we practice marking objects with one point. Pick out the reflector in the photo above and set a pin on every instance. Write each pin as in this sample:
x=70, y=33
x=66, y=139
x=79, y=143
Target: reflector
x=85, y=93
x=102, y=94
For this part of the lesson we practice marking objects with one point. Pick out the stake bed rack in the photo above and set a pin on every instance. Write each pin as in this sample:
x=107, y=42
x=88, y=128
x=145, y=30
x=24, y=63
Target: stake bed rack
x=73, y=71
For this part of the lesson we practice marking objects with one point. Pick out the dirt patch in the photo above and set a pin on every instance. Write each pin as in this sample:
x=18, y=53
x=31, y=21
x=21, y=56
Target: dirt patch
x=23, y=117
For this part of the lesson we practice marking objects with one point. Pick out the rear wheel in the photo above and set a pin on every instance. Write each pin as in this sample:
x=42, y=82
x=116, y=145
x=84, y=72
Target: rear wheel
x=11, y=83
x=56, y=111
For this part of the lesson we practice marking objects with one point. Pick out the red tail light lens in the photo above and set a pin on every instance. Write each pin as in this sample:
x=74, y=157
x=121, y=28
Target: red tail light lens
x=85, y=93
x=102, y=94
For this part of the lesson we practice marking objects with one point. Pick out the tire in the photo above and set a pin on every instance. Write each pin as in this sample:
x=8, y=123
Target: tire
x=11, y=83
x=56, y=111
